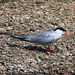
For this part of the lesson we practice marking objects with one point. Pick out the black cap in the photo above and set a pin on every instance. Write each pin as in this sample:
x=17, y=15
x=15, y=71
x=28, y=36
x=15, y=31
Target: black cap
x=60, y=28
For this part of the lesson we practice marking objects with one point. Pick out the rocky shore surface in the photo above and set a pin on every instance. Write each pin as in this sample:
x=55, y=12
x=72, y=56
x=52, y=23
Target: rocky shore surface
x=27, y=17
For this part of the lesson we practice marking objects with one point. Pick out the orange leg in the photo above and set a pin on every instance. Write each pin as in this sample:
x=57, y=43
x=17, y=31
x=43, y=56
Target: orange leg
x=50, y=50
x=47, y=51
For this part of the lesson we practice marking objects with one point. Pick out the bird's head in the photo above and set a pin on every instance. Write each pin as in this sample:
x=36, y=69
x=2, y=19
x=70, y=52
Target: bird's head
x=63, y=31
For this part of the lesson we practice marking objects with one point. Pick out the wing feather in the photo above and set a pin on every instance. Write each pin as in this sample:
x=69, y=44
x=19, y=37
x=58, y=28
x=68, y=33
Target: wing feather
x=43, y=38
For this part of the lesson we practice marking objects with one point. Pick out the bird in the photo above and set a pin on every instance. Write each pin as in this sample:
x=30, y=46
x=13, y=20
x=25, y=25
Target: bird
x=45, y=38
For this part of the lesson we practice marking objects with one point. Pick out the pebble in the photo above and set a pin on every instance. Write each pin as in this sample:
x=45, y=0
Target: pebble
x=68, y=63
x=31, y=70
x=5, y=57
x=32, y=29
x=43, y=6
x=57, y=19
x=10, y=67
x=10, y=28
x=63, y=57
x=2, y=31
x=1, y=12
x=60, y=24
x=46, y=57
x=38, y=59
x=41, y=57
x=30, y=60
x=19, y=65
x=2, y=67
x=61, y=63
x=54, y=64
x=27, y=17
x=34, y=65
x=45, y=65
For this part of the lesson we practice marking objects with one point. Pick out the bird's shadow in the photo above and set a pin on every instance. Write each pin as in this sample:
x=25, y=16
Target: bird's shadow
x=32, y=48
x=35, y=48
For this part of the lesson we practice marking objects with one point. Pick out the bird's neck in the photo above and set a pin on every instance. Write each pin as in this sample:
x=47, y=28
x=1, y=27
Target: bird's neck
x=59, y=32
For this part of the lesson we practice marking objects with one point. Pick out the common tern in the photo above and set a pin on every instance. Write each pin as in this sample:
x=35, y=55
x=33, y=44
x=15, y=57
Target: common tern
x=45, y=38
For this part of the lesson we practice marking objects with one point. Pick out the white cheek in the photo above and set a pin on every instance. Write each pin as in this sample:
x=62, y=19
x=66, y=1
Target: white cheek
x=59, y=32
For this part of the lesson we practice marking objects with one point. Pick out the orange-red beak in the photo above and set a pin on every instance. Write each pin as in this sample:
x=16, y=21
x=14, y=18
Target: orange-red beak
x=68, y=34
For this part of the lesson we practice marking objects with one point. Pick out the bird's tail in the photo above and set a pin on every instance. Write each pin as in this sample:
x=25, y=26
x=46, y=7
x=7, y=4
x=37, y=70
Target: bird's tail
x=19, y=38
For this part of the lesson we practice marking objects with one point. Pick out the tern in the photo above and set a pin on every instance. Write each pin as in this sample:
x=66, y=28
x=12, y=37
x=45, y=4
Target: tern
x=45, y=38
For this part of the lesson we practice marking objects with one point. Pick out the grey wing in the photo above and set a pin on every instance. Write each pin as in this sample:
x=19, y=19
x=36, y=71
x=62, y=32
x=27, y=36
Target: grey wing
x=43, y=41
x=44, y=34
x=43, y=38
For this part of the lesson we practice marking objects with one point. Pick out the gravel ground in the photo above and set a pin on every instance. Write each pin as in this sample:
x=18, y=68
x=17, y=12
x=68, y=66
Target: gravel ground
x=26, y=17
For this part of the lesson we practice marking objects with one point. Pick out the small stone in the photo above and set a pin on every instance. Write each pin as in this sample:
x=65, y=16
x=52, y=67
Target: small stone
x=14, y=17
x=10, y=28
x=15, y=2
x=2, y=30
x=61, y=63
x=57, y=68
x=27, y=17
x=34, y=65
x=62, y=56
x=47, y=13
x=46, y=57
x=55, y=74
x=31, y=60
x=31, y=69
x=39, y=60
x=68, y=63
x=41, y=57
x=67, y=66
x=58, y=54
x=32, y=29
x=10, y=67
x=4, y=53
x=70, y=59
x=1, y=12
x=5, y=57
x=40, y=12
x=0, y=6
x=45, y=65
x=57, y=19
x=2, y=66
x=54, y=63
x=60, y=24
x=19, y=65
x=66, y=53
x=43, y=6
